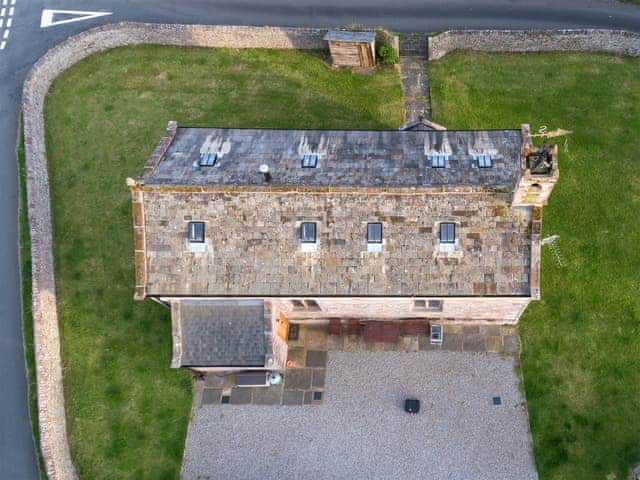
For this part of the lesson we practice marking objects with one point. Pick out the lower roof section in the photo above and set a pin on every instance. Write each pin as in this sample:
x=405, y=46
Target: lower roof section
x=219, y=333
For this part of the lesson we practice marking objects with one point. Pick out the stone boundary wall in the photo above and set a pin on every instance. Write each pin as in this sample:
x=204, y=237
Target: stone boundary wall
x=51, y=411
x=589, y=40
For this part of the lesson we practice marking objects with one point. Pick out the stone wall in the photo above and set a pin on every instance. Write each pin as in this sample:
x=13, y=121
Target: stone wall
x=51, y=412
x=614, y=41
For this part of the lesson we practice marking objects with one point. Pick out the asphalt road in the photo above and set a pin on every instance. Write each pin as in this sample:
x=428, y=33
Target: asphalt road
x=26, y=42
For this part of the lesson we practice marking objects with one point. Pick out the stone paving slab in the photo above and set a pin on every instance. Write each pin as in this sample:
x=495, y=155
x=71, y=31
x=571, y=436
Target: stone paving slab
x=415, y=85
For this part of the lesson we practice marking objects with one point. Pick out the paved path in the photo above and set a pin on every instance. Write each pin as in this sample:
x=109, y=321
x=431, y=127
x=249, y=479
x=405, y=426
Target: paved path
x=362, y=432
x=25, y=42
x=415, y=85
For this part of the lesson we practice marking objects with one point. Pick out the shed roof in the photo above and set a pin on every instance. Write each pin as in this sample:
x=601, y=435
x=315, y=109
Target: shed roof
x=225, y=333
x=347, y=36
x=345, y=158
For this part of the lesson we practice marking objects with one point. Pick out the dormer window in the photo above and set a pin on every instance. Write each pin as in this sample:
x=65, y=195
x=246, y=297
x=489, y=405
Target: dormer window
x=208, y=159
x=310, y=160
x=374, y=233
x=308, y=232
x=196, y=232
x=447, y=233
x=483, y=160
x=437, y=159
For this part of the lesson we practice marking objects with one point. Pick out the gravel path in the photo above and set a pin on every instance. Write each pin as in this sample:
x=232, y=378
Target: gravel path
x=361, y=430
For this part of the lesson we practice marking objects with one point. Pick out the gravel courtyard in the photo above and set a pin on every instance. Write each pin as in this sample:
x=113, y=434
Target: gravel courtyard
x=361, y=430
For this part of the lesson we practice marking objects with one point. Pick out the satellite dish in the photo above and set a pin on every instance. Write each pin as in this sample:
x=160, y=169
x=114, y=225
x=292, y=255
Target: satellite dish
x=264, y=168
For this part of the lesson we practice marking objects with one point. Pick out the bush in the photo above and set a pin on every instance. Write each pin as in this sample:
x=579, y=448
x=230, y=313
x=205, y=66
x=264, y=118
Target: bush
x=387, y=54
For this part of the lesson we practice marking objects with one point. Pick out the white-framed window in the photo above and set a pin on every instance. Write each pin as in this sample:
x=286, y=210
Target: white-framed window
x=447, y=232
x=195, y=232
x=309, y=236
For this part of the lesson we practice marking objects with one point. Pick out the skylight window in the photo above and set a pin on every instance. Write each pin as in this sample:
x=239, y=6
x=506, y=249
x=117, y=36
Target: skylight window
x=196, y=232
x=437, y=159
x=374, y=232
x=484, y=160
x=308, y=232
x=208, y=159
x=310, y=160
x=447, y=232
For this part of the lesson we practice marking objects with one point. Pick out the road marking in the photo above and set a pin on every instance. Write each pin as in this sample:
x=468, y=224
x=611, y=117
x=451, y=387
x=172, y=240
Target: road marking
x=5, y=35
x=2, y=12
x=11, y=10
x=47, y=16
x=13, y=2
x=6, y=32
x=9, y=22
x=4, y=3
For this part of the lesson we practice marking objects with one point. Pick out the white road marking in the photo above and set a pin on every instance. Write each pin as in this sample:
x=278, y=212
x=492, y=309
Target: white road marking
x=47, y=16
x=6, y=32
x=11, y=10
x=9, y=22
x=2, y=45
x=5, y=35
x=2, y=12
x=13, y=2
x=4, y=3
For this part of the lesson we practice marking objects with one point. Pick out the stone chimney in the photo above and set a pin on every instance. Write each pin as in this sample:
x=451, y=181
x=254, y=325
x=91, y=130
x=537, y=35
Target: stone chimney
x=540, y=173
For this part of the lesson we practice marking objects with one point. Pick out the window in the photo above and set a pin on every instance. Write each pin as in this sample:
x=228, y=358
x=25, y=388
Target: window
x=208, y=159
x=310, y=305
x=437, y=159
x=436, y=334
x=309, y=160
x=308, y=232
x=196, y=232
x=297, y=304
x=374, y=232
x=484, y=160
x=435, y=305
x=447, y=232
x=419, y=305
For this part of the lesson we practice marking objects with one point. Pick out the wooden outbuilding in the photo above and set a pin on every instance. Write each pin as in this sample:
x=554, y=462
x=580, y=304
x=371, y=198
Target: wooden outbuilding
x=352, y=49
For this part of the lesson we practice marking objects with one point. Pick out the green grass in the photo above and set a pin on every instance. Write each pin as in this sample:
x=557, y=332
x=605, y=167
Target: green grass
x=27, y=317
x=127, y=411
x=582, y=341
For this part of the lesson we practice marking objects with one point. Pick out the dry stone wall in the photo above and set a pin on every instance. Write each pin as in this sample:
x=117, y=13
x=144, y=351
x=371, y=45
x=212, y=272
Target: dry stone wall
x=614, y=41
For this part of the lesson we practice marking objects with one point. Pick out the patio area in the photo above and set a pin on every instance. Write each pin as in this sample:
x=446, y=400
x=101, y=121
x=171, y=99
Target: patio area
x=361, y=430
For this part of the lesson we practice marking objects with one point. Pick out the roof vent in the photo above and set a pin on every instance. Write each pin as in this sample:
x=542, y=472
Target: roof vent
x=264, y=170
x=208, y=159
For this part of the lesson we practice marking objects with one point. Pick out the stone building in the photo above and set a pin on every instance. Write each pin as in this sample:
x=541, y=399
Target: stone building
x=245, y=232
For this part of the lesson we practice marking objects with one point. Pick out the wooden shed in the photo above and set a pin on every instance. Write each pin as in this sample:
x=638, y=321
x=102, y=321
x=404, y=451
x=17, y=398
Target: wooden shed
x=352, y=49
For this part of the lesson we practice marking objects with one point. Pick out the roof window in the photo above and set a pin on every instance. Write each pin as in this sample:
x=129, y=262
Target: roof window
x=447, y=232
x=374, y=232
x=484, y=160
x=310, y=160
x=208, y=159
x=308, y=232
x=196, y=232
x=437, y=159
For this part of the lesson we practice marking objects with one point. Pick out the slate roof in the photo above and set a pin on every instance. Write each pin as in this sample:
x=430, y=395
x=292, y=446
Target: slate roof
x=222, y=333
x=346, y=158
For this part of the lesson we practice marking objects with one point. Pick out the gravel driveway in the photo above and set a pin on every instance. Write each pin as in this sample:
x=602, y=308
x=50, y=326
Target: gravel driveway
x=361, y=430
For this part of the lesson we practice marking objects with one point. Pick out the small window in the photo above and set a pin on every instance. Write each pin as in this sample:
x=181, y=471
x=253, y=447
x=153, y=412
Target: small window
x=436, y=334
x=308, y=232
x=435, y=305
x=297, y=304
x=447, y=233
x=309, y=160
x=196, y=232
x=419, y=305
x=208, y=159
x=437, y=160
x=484, y=160
x=374, y=232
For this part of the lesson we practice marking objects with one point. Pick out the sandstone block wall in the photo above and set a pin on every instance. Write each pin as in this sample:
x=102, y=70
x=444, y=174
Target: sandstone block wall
x=614, y=41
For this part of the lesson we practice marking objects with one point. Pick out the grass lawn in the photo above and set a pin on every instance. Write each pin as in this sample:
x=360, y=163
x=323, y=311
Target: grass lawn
x=127, y=411
x=581, y=343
